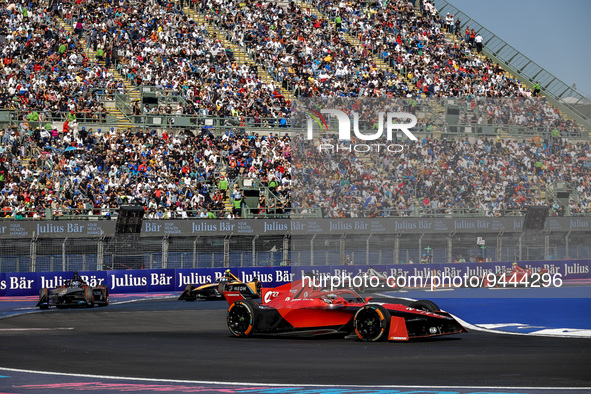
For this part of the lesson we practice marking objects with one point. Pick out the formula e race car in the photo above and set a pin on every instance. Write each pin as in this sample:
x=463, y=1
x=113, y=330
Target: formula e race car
x=515, y=276
x=301, y=310
x=215, y=290
x=75, y=292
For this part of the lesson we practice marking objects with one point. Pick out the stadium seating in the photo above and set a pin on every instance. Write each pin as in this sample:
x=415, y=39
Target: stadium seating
x=50, y=72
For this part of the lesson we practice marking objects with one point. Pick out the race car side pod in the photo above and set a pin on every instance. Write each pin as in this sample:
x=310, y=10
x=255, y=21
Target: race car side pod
x=269, y=293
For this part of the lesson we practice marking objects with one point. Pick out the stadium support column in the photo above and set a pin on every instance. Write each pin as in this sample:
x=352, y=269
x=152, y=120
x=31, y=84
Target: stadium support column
x=450, y=247
x=195, y=261
x=227, y=250
x=100, y=252
x=286, y=248
x=342, y=249
x=521, y=246
x=500, y=245
x=165, y=245
x=397, y=248
x=312, y=250
x=566, y=245
x=254, y=250
x=33, y=250
x=547, y=245
x=64, y=254
x=421, y=246
x=367, y=249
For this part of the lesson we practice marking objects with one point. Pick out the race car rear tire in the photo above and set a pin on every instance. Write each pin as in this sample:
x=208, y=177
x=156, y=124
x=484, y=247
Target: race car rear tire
x=44, y=298
x=241, y=317
x=372, y=323
x=425, y=305
x=221, y=288
x=188, y=293
x=89, y=296
x=259, y=288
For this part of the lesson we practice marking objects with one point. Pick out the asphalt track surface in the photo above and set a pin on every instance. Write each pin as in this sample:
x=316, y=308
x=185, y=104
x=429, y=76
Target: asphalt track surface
x=189, y=341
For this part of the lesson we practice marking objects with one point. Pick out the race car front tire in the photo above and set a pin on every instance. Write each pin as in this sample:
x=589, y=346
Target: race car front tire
x=104, y=297
x=241, y=317
x=372, y=323
x=44, y=298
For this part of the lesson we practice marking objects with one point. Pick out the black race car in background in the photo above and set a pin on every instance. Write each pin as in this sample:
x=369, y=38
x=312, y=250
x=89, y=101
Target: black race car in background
x=215, y=290
x=74, y=293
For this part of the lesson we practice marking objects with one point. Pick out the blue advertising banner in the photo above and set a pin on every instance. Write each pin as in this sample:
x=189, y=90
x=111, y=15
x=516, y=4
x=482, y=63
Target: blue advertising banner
x=269, y=276
x=161, y=280
x=171, y=280
x=22, y=283
x=197, y=277
x=129, y=281
x=93, y=278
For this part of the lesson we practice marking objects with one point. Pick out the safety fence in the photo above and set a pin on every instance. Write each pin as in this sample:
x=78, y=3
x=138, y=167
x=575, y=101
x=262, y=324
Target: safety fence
x=170, y=251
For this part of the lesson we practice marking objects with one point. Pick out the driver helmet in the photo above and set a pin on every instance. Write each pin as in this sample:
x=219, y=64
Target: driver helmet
x=76, y=280
x=227, y=273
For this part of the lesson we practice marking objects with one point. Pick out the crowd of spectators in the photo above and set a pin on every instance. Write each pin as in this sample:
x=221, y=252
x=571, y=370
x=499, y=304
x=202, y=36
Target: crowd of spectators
x=303, y=51
x=532, y=113
x=312, y=57
x=92, y=172
x=491, y=176
x=45, y=73
x=415, y=44
x=159, y=45
x=43, y=68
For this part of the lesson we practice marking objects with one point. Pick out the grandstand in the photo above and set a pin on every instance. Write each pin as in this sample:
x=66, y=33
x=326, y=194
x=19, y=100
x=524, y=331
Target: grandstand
x=186, y=108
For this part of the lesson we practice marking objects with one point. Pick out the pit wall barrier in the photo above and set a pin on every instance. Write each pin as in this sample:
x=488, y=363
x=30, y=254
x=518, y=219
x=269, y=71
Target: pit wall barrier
x=175, y=280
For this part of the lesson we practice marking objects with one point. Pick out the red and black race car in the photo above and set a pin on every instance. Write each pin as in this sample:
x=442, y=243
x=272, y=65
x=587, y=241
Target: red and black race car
x=515, y=276
x=299, y=309
x=75, y=292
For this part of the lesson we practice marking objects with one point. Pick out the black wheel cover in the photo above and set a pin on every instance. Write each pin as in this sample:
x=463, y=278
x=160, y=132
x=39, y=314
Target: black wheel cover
x=371, y=323
x=241, y=319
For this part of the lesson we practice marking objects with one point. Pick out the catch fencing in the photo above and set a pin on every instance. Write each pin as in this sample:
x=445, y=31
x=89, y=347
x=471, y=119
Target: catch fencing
x=40, y=254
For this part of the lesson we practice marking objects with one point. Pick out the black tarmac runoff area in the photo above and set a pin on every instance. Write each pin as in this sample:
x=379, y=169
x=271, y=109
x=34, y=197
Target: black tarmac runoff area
x=169, y=339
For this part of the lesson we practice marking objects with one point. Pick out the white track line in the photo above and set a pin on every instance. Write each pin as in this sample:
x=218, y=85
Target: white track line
x=36, y=329
x=548, y=332
x=218, y=383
